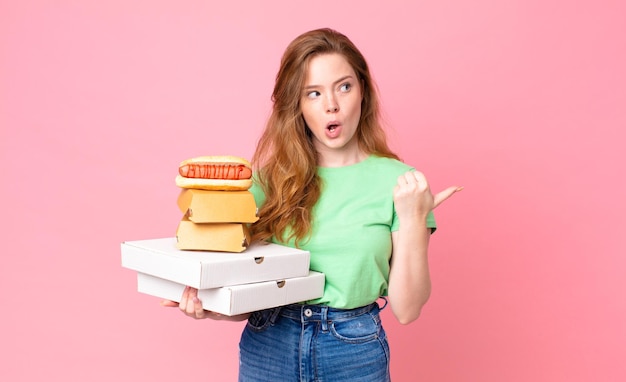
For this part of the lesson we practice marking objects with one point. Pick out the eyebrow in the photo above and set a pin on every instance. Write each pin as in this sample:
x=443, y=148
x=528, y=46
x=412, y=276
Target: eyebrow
x=334, y=83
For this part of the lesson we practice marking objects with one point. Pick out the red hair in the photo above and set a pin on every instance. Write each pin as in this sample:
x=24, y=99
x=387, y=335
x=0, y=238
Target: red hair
x=285, y=159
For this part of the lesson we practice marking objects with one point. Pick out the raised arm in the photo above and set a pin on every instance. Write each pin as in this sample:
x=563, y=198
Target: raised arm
x=409, y=278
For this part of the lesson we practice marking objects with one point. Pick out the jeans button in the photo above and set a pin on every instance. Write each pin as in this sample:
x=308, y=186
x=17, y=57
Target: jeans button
x=308, y=312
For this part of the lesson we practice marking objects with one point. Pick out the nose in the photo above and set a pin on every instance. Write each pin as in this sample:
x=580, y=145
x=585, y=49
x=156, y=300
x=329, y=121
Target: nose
x=331, y=105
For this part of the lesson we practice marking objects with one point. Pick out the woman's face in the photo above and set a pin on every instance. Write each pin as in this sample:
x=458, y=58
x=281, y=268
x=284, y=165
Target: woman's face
x=331, y=104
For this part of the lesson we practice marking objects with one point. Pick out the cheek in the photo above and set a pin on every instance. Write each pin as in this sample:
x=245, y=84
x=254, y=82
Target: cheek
x=308, y=114
x=355, y=111
x=353, y=106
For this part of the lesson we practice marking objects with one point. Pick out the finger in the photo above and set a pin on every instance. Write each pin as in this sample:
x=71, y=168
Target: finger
x=183, y=299
x=199, y=310
x=445, y=194
x=419, y=176
x=411, y=178
x=191, y=301
x=169, y=303
x=402, y=180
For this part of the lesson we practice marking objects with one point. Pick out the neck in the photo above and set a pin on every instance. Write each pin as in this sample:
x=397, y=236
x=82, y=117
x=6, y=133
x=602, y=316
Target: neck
x=340, y=159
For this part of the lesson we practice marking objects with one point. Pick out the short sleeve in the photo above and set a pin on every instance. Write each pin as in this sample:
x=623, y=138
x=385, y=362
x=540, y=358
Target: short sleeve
x=257, y=192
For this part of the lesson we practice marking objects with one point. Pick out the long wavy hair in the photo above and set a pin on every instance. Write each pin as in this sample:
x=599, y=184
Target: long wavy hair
x=285, y=159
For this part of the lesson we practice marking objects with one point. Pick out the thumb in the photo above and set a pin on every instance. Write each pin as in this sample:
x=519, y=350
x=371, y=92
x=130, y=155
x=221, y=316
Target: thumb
x=445, y=194
x=169, y=303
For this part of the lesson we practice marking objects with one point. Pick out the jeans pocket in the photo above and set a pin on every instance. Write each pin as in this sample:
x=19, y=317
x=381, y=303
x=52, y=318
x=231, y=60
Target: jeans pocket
x=363, y=328
x=260, y=320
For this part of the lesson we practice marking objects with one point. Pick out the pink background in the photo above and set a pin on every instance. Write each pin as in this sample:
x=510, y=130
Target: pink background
x=522, y=102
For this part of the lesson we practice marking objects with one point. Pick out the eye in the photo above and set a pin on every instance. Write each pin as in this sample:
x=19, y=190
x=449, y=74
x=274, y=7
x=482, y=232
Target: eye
x=313, y=94
x=346, y=87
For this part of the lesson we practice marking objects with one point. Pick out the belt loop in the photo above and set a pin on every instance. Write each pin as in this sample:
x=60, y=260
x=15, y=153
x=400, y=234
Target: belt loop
x=275, y=314
x=386, y=302
x=324, y=318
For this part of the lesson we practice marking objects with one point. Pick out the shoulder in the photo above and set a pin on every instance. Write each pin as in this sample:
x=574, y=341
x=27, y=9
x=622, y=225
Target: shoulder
x=388, y=165
x=380, y=172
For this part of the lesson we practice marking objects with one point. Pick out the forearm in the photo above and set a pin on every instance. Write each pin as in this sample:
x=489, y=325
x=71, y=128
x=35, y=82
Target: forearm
x=409, y=277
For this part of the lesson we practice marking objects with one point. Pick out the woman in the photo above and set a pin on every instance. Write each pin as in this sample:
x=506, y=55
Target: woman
x=328, y=183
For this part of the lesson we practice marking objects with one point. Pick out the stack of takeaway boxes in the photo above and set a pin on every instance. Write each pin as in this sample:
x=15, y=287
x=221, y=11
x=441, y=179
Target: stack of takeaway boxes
x=212, y=253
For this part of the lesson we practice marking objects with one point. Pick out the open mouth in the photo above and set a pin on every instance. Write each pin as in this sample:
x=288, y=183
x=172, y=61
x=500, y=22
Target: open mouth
x=332, y=126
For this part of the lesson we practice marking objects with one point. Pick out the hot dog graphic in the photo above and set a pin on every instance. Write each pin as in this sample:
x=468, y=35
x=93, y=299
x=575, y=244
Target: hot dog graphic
x=218, y=172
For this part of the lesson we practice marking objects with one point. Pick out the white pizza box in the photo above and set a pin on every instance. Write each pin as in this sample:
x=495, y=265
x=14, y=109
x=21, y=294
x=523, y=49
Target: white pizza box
x=238, y=299
x=212, y=269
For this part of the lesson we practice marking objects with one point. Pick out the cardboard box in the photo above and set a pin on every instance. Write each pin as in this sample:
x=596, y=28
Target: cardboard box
x=229, y=237
x=204, y=269
x=240, y=299
x=203, y=206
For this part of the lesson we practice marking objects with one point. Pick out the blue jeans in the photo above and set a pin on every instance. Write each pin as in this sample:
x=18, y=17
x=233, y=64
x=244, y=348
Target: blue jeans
x=313, y=343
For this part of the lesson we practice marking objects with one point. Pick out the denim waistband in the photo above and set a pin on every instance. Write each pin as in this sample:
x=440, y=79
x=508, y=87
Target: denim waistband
x=306, y=313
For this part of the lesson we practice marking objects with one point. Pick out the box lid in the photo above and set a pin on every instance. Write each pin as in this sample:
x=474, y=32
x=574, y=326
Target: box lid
x=205, y=269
